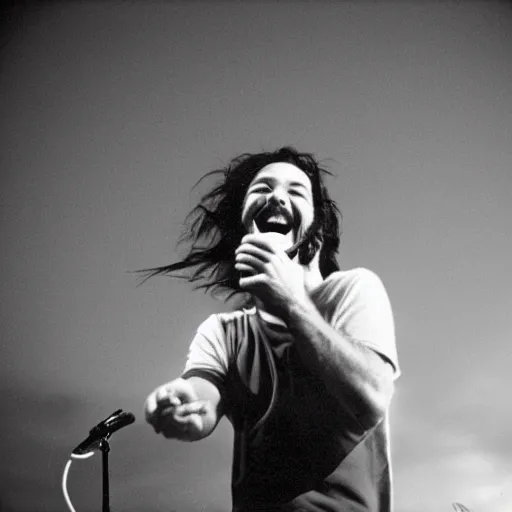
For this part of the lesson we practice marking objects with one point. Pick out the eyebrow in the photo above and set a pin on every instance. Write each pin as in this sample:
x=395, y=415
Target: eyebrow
x=298, y=184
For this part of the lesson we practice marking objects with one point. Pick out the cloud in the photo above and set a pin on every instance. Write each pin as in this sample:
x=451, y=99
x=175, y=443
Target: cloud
x=473, y=478
x=453, y=448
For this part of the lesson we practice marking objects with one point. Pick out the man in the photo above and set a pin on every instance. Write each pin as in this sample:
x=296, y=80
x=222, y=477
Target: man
x=305, y=372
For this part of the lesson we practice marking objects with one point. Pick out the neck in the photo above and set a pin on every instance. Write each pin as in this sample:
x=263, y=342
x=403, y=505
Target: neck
x=312, y=275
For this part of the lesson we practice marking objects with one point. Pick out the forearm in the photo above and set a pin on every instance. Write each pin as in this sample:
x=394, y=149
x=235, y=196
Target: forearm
x=353, y=373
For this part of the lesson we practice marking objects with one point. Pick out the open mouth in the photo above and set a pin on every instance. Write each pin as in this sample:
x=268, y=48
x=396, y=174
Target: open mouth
x=274, y=222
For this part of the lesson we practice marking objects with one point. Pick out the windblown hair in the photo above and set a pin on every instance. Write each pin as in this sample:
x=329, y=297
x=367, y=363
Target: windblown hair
x=213, y=229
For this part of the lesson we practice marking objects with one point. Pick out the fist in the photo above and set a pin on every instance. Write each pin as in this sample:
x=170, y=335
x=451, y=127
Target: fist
x=175, y=411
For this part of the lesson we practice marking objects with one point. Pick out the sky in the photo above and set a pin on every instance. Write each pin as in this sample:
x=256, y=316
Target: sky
x=111, y=111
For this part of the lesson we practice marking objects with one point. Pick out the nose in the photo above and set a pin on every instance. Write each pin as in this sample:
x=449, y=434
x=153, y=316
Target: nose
x=278, y=198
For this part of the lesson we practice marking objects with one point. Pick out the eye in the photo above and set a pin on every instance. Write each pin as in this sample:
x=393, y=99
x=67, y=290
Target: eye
x=297, y=192
x=259, y=188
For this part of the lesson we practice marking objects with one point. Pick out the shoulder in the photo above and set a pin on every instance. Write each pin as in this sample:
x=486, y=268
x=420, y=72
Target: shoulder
x=360, y=278
x=352, y=288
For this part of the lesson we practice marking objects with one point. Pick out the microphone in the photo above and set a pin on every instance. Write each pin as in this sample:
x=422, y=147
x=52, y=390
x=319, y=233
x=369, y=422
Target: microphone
x=103, y=430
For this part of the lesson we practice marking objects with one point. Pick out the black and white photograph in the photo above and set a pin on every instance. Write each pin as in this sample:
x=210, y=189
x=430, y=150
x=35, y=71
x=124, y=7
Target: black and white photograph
x=256, y=256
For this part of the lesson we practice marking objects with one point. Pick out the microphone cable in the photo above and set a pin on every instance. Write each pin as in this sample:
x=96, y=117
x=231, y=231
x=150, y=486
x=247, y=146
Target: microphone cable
x=65, y=477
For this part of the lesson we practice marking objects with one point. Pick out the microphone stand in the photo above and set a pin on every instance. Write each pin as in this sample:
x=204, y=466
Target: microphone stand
x=98, y=439
x=105, y=449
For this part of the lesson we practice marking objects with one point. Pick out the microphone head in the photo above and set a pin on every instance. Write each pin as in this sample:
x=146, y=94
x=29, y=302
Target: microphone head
x=104, y=430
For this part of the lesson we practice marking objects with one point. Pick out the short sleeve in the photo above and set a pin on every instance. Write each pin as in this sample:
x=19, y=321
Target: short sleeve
x=363, y=313
x=208, y=355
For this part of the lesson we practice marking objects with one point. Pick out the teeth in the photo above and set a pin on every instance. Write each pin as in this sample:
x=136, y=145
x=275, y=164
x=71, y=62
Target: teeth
x=277, y=219
x=275, y=222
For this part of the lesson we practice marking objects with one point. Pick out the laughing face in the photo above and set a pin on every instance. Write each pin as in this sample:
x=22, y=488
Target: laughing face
x=279, y=201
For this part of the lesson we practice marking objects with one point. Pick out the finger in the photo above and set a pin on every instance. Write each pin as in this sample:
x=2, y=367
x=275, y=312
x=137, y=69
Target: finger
x=189, y=422
x=250, y=260
x=172, y=415
x=195, y=422
x=181, y=414
x=185, y=410
x=174, y=400
x=166, y=396
x=161, y=393
x=246, y=269
x=255, y=251
x=259, y=240
x=252, y=281
x=168, y=401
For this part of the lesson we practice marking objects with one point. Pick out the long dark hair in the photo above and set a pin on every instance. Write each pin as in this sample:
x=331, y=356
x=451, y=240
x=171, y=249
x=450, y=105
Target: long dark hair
x=213, y=229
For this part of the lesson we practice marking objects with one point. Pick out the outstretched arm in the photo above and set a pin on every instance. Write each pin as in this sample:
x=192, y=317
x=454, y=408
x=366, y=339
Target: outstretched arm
x=187, y=410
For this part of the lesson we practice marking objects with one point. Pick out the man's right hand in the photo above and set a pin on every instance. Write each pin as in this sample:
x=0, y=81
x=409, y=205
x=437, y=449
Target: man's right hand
x=175, y=411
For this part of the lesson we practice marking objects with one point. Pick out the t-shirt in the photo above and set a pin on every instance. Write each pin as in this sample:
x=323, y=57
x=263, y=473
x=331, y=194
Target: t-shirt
x=296, y=447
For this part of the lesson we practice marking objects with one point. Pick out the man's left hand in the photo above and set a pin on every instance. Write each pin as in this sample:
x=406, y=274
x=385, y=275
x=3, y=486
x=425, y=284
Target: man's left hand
x=269, y=274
